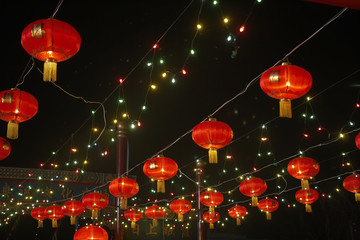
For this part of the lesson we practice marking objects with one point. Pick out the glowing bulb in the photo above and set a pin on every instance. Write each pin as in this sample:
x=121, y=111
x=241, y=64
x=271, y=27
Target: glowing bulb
x=183, y=72
x=164, y=75
x=153, y=86
x=226, y=20
x=242, y=29
x=199, y=26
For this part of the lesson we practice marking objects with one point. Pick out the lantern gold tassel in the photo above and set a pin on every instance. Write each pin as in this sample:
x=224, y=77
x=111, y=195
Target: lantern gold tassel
x=268, y=216
x=254, y=201
x=94, y=214
x=54, y=223
x=285, y=108
x=238, y=221
x=123, y=203
x=154, y=222
x=161, y=186
x=308, y=208
x=213, y=156
x=212, y=211
x=180, y=218
x=50, y=66
x=357, y=196
x=304, y=184
x=133, y=225
x=12, y=129
x=72, y=220
x=211, y=226
x=40, y=224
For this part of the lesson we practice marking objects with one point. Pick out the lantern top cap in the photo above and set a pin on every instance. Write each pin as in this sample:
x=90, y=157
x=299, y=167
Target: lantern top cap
x=212, y=119
x=285, y=63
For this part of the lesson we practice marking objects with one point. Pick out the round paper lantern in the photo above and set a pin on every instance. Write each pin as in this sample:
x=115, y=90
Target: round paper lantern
x=16, y=106
x=73, y=208
x=357, y=140
x=51, y=41
x=5, y=148
x=133, y=215
x=352, y=184
x=211, y=218
x=268, y=205
x=160, y=169
x=211, y=199
x=91, y=232
x=253, y=187
x=307, y=197
x=286, y=82
x=303, y=168
x=212, y=135
x=54, y=213
x=180, y=206
x=237, y=212
x=95, y=201
x=39, y=213
x=123, y=188
x=154, y=212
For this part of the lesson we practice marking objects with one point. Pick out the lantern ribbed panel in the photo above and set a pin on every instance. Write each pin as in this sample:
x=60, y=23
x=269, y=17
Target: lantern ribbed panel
x=211, y=198
x=5, y=148
x=133, y=215
x=307, y=197
x=357, y=140
x=253, y=187
x=123, y=187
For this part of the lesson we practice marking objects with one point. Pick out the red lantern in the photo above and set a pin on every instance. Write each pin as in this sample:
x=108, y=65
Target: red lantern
x=154, y=212
x=268, y=205
x=5, y=148
x=180, y=206
x=253, y=187
x=39, y=213
x=54, y=213
x=95, y=201
x=212, y=135
x=73, y=208
x=133, y=215
x=307, y=197
x=91, y=232
x=211, y=218
x=340, y=3
x=211, y=199
x=303, y=168
x=51, y=41
x=237, y=212
x=286, y=82
x=352, y=184
x=15, y=107
x=160, y=169
x=357, y=140
x=123, y=188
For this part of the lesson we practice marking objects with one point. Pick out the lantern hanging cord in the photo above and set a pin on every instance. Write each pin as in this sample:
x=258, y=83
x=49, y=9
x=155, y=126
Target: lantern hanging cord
x=85, y=101
x=57, y=8
x=23, y=75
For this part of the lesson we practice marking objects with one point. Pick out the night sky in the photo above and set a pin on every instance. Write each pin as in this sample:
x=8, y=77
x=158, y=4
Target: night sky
x=117, y=42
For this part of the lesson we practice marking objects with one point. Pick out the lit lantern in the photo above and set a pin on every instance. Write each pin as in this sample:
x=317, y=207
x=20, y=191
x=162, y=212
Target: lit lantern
x=54, y=213
x=180, y=206
x=352, y=184
x=303, y=168
x=211, y=218
x=286, y=82
x=91, y=232
x=51, y=41
x=95, y=201
x=211, y=199
x=154, y=212
x=212, y=135
x=268, y=206
x=160, y=169
x=307, y=197
x=237, y=212
x=253, y=187
x=5, y=148
x=73, y=208
x=123, y=188
x=133, y=215
x=39, y=214
x=357, y=140
x=16, y=106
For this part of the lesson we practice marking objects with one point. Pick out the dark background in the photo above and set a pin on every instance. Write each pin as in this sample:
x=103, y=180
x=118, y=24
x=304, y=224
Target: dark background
x=116, y=35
